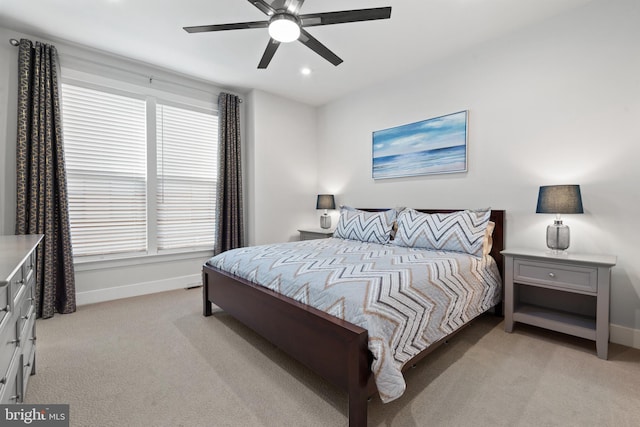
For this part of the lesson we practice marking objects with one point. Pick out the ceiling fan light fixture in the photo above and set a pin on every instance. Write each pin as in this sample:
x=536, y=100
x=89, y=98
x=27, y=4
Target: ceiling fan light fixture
x=284, y=28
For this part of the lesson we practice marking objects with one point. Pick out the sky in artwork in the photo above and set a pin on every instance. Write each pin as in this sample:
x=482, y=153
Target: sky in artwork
x=431, y=134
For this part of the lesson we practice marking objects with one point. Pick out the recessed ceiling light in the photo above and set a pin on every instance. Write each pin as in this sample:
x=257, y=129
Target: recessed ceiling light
x=305, y=71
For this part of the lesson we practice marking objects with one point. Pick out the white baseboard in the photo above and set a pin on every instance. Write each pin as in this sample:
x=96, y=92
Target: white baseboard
x=625, y=336
x=118, y=292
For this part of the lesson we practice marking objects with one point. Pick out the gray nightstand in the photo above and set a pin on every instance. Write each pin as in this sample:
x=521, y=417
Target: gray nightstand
x=315, y=233
x=564, y=293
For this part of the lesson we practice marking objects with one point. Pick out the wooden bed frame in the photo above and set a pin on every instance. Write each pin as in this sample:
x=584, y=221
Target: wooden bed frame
x=333, y=348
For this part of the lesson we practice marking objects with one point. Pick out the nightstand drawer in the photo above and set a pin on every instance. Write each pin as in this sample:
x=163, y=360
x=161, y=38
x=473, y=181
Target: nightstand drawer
x=560, y=276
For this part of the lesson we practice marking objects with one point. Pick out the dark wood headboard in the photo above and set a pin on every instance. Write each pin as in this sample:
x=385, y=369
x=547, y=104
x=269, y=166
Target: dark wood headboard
x=497, y=216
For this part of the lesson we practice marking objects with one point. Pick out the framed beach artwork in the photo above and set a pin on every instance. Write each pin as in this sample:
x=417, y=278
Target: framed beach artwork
x=432, y=146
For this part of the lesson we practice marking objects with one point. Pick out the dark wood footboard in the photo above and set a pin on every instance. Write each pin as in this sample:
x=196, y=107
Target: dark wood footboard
x=333, y=348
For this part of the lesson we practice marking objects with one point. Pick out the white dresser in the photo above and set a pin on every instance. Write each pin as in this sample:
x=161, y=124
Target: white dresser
x=17, y=315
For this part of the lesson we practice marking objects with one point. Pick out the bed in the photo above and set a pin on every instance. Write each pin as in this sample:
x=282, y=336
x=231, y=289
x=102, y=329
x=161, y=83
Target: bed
x=336, y=349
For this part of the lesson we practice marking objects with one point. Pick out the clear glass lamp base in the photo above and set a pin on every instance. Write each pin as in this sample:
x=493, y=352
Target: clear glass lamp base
x=558, y=238
x=325, y=221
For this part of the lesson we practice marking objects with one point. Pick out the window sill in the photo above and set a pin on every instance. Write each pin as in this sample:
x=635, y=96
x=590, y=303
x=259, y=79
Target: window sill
x=102, y=263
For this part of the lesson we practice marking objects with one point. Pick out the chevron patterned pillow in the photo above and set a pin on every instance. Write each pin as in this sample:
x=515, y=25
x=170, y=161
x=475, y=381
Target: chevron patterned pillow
x=461, y=231
x=374, y=227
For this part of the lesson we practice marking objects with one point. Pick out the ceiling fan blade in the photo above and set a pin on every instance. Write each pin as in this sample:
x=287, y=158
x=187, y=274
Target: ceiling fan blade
x=313, y=44
x=263, y=6
x=224, y=27
x=280, y=4
x=344, y=16
x=268, y=53
x=294, y=5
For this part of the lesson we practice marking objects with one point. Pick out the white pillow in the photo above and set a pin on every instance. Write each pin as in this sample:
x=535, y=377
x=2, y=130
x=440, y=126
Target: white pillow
x=461, y=231
x=374, y=227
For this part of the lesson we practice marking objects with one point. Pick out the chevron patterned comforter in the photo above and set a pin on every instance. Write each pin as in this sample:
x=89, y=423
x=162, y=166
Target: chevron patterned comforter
x=406, y=298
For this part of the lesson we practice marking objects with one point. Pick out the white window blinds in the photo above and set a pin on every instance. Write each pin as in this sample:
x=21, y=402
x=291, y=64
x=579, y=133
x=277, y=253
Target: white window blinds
x=187, y=153
x=105, y=154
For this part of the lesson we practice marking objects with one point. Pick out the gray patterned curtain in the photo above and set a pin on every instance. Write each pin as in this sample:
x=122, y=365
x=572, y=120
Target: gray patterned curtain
x=229, y=211
x=42, y=204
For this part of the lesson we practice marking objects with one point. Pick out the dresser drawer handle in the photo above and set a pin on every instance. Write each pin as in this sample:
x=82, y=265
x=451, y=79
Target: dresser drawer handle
x=552, y=275
x=16, y=341
x=3, y=380
x=16, y=397
x=5, y=308
x=26, y=317
x=20, y=282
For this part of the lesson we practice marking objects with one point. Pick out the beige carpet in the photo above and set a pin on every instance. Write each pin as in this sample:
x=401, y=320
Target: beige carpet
x=156, y=361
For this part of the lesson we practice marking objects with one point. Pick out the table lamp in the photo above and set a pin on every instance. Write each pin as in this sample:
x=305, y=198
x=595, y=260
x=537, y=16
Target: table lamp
x=325, y=201
x=559, y=199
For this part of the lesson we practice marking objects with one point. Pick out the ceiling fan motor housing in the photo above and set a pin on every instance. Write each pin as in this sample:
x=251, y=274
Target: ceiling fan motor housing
x=284, y=27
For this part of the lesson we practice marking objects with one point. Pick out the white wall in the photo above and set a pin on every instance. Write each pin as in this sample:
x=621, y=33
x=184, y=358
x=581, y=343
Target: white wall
x=8, y=125
x=282, y=168
x=558, y=103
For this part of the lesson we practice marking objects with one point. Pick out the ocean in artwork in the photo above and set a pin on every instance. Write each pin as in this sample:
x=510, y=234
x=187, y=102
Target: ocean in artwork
x=432, y=146
x=439, y=160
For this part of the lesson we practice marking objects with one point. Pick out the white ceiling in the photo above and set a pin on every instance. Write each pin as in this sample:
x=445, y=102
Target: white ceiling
x=419, y=32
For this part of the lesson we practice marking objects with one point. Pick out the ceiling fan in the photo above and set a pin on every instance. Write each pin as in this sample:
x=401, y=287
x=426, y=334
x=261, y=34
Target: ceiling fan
x=285, y=25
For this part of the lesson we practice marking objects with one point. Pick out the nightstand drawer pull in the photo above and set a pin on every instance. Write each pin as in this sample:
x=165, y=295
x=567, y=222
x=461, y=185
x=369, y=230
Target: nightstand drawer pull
x=16, y=341
x=552, y=275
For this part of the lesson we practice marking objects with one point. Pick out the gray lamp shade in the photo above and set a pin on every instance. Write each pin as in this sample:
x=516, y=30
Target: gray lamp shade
x=560, y=199
x=325, y=201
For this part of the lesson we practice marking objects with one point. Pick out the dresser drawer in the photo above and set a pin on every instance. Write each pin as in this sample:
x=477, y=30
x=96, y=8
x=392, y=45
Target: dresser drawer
x=17, y=283
x=5, y=308
x=11, y=391
x=8, y=346
x=28, y=361
x=28, y=267
x=25, y=310
x=560, y=276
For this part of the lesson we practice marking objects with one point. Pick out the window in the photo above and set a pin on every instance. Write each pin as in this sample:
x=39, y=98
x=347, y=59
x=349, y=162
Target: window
x=105, y=154
x=187, y=175
x=138, y=182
